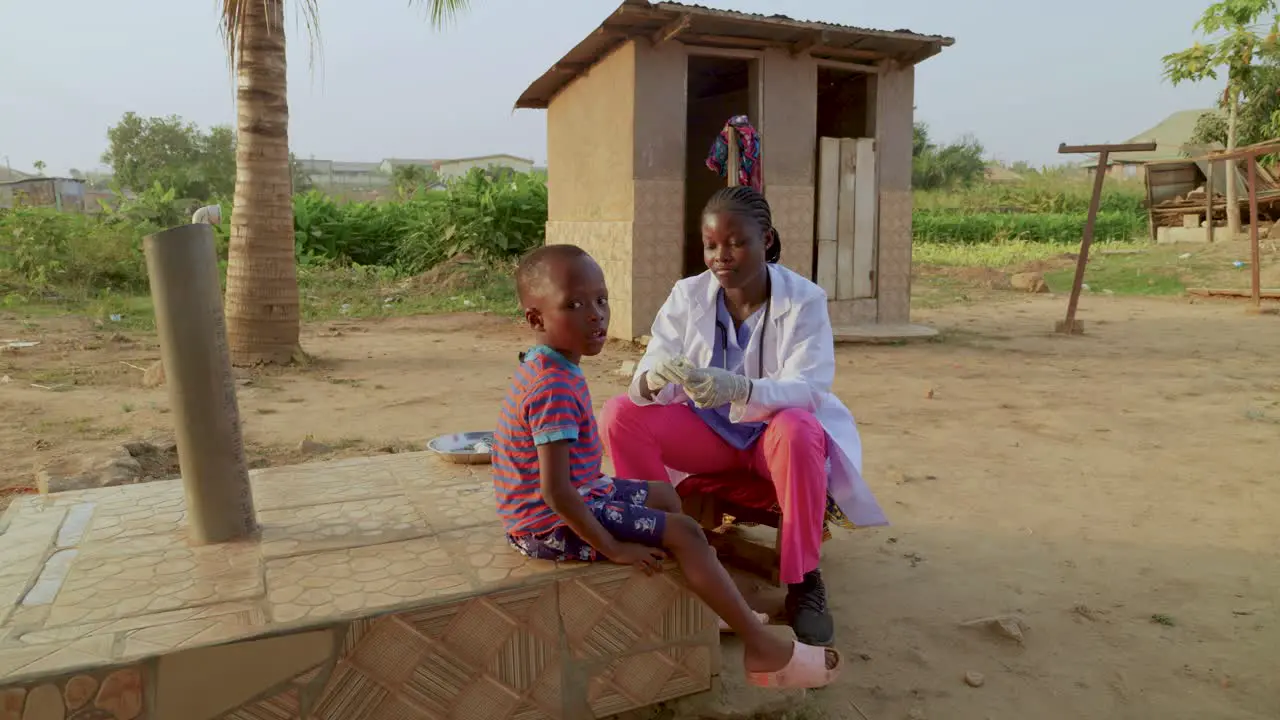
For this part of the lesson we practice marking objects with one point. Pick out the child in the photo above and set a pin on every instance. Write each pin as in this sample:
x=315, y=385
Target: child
x=553, y=499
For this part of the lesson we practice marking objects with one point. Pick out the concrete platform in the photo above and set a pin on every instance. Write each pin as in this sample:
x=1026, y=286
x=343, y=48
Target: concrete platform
x=378, y=588
x=882, y=333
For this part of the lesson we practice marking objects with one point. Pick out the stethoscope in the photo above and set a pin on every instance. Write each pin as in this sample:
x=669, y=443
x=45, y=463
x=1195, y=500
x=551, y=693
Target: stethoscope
x=764, y=328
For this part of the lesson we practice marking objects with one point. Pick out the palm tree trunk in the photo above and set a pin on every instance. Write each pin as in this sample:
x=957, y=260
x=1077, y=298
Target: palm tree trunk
x=262, y=280
x=1233, y=176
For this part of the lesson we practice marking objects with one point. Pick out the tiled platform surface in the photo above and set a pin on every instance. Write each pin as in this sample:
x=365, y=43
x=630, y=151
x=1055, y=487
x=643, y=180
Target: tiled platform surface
x=380, y=588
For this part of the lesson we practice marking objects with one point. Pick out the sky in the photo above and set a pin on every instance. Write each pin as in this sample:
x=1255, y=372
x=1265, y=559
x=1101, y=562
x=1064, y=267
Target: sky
x=1022, y=77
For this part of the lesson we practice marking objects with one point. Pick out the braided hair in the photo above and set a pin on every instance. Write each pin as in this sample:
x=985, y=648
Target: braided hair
x=747, y=202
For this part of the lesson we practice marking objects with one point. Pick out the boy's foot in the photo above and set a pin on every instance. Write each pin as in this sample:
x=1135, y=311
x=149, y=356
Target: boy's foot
x=807, y=612
x=809, y=667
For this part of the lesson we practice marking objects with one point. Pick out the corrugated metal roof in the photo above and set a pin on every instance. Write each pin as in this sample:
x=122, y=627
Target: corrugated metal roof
x=1170, y=136
x=699, y=25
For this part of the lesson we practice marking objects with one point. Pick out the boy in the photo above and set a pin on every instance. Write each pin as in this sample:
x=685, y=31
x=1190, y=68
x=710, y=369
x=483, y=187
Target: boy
x=557, y=505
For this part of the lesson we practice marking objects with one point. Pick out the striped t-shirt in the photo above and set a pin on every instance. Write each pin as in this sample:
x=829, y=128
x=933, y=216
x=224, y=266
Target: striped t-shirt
x=548, y=402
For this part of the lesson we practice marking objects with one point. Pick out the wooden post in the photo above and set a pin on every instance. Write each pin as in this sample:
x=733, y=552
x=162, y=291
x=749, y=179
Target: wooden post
x=732, y=163
x=1208, y=202
x=1071, y=326
x=1254, y=259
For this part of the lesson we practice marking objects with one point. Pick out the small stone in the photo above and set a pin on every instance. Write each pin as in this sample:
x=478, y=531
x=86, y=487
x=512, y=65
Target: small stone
x=154, y=375
x=1009, y=627
x=916, y=713
x=311, y=447
x=5, y=380
x=929, y=395
x=628, y=369
x=1032, y=282
x=644, y=340
x=974, y=679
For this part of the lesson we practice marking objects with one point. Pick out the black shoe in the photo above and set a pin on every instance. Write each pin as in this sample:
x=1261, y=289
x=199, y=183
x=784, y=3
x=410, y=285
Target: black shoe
x=807, y=611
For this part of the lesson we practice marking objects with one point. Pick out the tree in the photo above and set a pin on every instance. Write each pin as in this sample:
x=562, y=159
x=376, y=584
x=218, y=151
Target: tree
x=1237, y=46
x=1257, y=118
x=262, y=304
x=39, y=166
x=408, y=179
x=941, y=166
x=75, y=174
x=174, y=153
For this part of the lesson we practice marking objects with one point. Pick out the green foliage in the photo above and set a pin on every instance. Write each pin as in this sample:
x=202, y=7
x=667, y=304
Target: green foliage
x=39, y=166
x=987, y=227
x=410, y=179
x=43, y=250
x=943, y=166
x=1040, y=194
x=173, y=153
x=1237, y=46
x=480, y=216
x=1258, y=111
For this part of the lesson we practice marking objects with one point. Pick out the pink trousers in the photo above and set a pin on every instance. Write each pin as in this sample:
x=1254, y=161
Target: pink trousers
x=792, y=453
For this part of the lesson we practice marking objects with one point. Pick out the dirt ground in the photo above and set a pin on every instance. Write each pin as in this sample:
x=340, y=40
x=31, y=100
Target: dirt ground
x=1117, y=490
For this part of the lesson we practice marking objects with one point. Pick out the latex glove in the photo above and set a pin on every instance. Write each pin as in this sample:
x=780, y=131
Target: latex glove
x=667, y=372
x=713, y=387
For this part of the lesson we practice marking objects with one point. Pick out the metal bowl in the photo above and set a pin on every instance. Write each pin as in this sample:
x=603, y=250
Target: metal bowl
x=469, y=448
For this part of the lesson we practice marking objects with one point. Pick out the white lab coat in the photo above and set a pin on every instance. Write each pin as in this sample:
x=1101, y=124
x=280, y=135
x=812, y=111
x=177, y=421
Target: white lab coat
x=799, y=367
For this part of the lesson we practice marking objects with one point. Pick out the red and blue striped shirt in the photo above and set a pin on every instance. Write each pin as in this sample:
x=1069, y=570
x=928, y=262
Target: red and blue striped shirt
x=548, y=402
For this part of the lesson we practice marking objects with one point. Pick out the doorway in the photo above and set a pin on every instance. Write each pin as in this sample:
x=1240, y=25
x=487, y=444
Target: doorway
x=718, y=88
x=845, y=104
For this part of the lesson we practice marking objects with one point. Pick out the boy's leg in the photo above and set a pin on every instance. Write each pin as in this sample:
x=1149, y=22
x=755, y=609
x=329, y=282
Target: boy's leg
x=680, y=535
x=663, y=496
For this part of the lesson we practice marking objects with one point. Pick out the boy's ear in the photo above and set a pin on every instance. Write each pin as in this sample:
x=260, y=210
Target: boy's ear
x=533, y=316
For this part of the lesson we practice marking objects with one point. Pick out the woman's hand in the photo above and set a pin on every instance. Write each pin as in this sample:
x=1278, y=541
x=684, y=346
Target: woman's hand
x=712, y=387
x=668, y=372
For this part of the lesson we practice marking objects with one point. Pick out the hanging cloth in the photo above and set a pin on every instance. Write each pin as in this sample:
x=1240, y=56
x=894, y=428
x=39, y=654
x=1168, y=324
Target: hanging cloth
x=749, y=171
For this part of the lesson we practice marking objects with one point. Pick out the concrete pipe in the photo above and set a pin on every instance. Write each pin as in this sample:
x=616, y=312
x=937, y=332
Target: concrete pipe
x=182, y=265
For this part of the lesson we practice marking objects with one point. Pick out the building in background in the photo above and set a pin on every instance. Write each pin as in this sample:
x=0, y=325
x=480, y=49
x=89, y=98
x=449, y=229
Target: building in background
x=633, y=109
x=1171, y=137
x=61, y=193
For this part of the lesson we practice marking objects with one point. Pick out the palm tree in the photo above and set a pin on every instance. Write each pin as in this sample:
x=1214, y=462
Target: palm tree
x=262, y=305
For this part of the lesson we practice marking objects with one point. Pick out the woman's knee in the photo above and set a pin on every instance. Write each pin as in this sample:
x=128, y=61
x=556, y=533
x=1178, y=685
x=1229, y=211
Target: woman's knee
x=797, y=426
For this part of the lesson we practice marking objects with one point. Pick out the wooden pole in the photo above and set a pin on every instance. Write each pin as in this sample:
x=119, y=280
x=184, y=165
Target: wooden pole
x=732, y=163
x=1254, y=259
x=1208, y=202
x=1070, y=326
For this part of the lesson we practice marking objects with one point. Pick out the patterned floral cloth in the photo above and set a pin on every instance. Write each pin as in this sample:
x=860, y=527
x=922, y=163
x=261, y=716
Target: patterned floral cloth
x=749, y=170
x=622, y=513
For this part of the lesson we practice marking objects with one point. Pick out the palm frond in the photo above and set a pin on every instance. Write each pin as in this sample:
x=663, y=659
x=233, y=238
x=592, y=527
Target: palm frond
x=442, y=12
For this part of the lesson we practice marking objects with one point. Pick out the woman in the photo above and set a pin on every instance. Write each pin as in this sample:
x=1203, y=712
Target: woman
x=738, y=376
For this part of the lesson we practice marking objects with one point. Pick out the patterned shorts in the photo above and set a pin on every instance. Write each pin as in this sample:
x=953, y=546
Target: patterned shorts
x=622, y=513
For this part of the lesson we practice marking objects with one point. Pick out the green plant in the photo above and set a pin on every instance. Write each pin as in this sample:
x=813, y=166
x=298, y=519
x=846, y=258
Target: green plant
x=974, y=228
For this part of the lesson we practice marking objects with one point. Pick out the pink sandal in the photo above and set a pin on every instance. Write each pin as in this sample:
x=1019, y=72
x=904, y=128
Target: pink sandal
x=724, y=626
x=807, y=669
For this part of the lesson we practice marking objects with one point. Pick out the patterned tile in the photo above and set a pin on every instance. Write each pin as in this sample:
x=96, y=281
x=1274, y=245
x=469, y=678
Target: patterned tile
x=793, y=216
x=454, y=507
x=298, y=487
x=342, y=583
x=894, y=275
x=25, y=544
x=476, y=630
x=484, y=553
x=109, y=586
x=357, y=523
